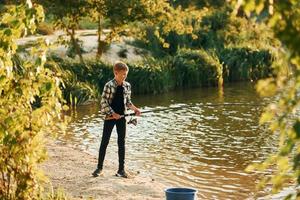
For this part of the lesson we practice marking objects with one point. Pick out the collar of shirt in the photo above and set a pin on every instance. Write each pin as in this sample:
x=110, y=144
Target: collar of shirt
x=116, y=83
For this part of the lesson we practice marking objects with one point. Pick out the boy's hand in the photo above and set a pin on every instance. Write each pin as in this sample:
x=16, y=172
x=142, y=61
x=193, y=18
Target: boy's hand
x=137, y=112
x=135, y=109
x=116, y=116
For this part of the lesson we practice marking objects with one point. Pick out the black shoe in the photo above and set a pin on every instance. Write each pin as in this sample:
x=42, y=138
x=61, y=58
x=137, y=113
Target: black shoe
x=97, y=172
x=122, y=174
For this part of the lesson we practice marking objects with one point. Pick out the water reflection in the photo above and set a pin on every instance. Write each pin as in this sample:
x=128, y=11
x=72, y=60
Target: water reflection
x=205, y=147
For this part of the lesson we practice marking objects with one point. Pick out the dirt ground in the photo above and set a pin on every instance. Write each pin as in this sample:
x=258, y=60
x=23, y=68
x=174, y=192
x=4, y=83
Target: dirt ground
x=71, y=169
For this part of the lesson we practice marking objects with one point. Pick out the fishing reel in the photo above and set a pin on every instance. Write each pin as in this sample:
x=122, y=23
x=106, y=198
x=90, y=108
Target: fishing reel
x=132, y=121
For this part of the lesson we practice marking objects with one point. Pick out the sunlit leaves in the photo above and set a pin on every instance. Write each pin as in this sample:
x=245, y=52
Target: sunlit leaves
x=158, y=14
x=297, y=129
x=266, y=87
x=30, y=103
x=282, y=116
x=266, y=117
x=119, y=15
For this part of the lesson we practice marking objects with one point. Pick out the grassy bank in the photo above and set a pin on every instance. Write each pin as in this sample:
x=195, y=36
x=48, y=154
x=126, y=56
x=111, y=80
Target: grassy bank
x=187, y=69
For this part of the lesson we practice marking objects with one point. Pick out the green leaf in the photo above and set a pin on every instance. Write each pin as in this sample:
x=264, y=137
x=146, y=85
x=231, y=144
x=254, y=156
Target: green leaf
x=8, y=32
x=266, y=117
x=286, y=149
x=65, y=107
x=46, y=87
x=8, y=121
x=2, y=79
x=296, y=161
x=38, y=61
x=260, y=7
x=296, y=128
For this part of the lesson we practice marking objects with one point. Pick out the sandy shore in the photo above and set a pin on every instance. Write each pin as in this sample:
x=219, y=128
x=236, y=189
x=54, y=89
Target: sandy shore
x=71, y=169
x=89, y=40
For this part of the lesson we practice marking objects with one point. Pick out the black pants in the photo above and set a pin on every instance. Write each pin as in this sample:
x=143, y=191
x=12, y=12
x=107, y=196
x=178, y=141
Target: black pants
x=107, y=129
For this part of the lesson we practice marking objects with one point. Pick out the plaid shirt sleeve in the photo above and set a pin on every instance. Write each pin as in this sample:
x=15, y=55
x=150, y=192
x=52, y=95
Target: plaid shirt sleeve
x=128, y=95
x=104, y=104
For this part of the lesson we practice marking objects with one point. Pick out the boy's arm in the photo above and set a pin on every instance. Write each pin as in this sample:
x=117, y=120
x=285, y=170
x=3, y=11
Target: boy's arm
x=135, y=109
x=130, y=105
x=105, y=107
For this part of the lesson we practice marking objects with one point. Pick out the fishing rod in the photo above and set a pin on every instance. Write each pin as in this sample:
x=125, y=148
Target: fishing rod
x=184, y=106
x=147, y=111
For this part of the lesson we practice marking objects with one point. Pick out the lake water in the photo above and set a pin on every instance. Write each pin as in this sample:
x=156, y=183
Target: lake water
x=203, y=146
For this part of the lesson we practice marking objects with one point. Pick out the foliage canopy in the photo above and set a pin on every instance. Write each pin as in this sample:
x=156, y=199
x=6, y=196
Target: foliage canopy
x=282, y=116
x=30, y=103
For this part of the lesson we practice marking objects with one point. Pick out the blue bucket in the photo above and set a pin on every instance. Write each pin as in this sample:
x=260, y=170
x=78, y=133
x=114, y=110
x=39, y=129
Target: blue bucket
x=180, y=194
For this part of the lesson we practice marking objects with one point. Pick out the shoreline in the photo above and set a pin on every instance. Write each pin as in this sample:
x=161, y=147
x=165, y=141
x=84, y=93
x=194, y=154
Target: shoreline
x=71, y=170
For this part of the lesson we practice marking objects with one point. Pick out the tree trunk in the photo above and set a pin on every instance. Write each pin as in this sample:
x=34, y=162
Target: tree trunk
x=100, y=43
x=75, y=44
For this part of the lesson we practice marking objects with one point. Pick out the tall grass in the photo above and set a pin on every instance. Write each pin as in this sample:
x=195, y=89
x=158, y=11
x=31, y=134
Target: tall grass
x=76, y=90
x=195, y=68
x=244, y=64
x=189, y=68
x=151, y=76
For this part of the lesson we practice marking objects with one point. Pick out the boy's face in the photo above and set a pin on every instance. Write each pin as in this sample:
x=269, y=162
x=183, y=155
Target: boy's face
x=120, y=76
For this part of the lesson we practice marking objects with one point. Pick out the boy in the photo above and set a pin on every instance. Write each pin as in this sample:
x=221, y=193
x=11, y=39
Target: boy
x=116, y=97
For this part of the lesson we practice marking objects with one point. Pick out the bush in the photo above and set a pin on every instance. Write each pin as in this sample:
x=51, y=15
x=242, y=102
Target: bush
x=24, y=121
x=188, y=68
x=76, y=88
x=45, y=29
x=152, y=44
x=216, y=20
x=150, y=76
x=194, y=68
x=88, y=23
x=244, y=64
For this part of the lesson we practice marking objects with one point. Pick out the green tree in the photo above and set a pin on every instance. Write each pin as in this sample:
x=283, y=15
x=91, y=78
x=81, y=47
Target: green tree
x=282, y=116
x=125, y=19
x=30, y=103
x=120, y=16
x=98, y=9
x=66, y=16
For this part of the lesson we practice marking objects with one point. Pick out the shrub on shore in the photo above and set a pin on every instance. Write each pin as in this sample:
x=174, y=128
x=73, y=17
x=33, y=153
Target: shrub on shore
x=187, y=69
x=195, y=68
x=45, y=29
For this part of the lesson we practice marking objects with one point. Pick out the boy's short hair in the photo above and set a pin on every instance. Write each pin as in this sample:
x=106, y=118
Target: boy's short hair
x=120, y=66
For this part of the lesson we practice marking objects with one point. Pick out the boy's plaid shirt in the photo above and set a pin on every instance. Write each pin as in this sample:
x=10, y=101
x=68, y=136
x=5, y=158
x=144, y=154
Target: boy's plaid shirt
x=109, y=93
